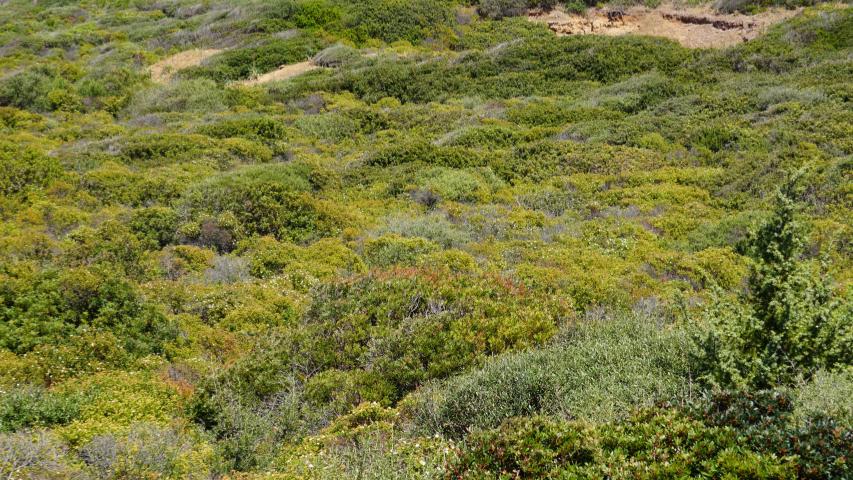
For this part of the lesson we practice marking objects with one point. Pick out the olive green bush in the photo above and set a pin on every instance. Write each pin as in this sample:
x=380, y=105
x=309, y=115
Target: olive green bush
x=463, y=247
x=598, y=371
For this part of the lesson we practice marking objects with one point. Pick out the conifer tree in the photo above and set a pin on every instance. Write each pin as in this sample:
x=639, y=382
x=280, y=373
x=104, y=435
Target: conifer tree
x=789, y=324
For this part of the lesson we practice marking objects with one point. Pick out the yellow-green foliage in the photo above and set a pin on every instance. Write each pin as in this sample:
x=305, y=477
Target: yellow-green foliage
x=214, y=279
x=117, y=400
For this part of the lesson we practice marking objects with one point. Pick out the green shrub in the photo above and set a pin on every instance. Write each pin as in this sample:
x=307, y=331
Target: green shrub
x=243, y=63
x=594, y=371
x=393, y=20
x=24, y=408
x=526, y=448
x=764, y=421
x=155, y=226
x=498, y=9
x=428, y=153
x=156, y=149
x=52, y=308
x=32, y=88
x=25, y=168
x=264, y=200
x=651, y=444
x=388, y=250
x=260, y=128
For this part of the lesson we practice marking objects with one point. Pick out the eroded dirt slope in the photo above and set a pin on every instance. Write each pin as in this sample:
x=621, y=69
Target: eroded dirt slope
x=691, y=27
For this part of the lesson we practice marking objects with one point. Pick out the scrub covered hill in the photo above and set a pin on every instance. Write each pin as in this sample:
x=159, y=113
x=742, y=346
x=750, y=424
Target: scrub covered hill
x=420, y=239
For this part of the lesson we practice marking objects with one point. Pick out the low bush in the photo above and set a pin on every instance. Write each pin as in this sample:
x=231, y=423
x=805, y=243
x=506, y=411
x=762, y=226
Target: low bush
x=594, y=371
x=394, y=20
x=52, y=308
x=257, y=128
x=498, y=9
x=25, y=169
x=386, y=251
x=264, y=200
x=663, y=442
x=24, y=408
x=156, y=227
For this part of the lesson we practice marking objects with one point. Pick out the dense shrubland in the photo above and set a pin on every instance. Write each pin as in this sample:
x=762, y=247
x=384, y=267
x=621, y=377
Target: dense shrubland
x=463, y=248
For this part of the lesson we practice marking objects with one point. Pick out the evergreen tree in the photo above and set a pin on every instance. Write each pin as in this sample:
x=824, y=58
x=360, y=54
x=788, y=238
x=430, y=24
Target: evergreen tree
x=789, y=324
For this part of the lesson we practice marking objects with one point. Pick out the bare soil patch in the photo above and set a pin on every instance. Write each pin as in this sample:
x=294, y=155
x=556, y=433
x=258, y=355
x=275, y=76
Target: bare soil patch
x=691, y=27
x=282, y=73
x=163, y=70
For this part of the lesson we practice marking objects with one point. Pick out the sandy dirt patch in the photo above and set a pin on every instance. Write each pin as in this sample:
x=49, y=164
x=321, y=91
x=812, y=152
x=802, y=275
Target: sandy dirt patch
x=163, y=70
x=282, y=73
x=691, y=27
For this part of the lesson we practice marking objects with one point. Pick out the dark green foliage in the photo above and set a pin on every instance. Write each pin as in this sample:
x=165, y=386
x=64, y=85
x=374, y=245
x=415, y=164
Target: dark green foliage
x=52, y=308
x=309, y=14
x=30, y=407
x=545, y=66
x=161, y=148
x=427, y=153
x=30, y=89
x=541, y=160
x=524, y=448
x=250, y=408
x=764, y=420
x=405, y=330
x=393, y=20
x=262, y=128
x=650, y=444
x=273, y=200
x=497, y=9
x=790, y=325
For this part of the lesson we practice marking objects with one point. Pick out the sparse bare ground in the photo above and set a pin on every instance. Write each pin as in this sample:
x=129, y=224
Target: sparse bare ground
x=282, y=73
x=691, y=27
x=163, y=70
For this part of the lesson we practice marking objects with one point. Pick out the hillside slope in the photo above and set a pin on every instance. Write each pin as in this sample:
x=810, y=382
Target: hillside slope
x=422, y=239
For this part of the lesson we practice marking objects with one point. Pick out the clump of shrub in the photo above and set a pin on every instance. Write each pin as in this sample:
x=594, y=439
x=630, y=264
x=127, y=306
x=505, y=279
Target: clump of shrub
x=498, y=9
x=336, y=56
x=25, y=168
x=540, y=447
x=29, y=407
x=55, y=307
x=394, y=20
x=594, y=371
x=264, y=200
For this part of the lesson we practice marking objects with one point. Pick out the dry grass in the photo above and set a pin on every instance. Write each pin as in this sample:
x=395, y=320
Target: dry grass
x=282, y=73
x=162, y=71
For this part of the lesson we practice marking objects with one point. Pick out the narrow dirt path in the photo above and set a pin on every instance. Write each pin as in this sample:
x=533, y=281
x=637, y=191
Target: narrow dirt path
x=282, y=73
x=162, y=71
x=691, y=27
